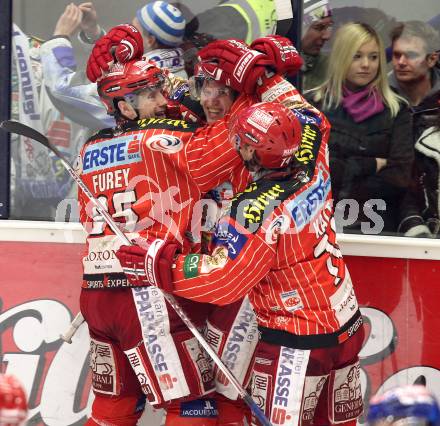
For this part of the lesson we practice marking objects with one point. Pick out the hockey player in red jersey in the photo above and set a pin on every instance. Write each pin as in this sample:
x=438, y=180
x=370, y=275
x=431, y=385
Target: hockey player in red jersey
x=13, y=401
x=278, y=244
x=149, y=173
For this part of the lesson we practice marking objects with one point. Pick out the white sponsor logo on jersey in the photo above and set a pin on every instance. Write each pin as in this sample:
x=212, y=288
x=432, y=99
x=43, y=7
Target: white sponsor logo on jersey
x=160, y=346
x=165, y=143
x=292, y=301
x=289, y=379
x=238, y=349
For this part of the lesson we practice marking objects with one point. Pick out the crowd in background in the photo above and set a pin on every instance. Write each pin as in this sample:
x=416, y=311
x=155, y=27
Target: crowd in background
x=377, y=80
x=383, y=103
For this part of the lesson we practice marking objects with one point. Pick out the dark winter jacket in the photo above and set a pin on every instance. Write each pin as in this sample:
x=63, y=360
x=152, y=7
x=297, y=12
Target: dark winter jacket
x=353, y=149
x=420, y=212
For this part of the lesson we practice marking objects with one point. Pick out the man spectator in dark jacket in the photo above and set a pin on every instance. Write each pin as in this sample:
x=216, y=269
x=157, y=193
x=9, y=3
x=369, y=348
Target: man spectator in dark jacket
x=416, y=74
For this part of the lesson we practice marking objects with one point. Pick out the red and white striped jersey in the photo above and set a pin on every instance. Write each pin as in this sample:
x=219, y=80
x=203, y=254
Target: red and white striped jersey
x=278, y=244
x=150, y=177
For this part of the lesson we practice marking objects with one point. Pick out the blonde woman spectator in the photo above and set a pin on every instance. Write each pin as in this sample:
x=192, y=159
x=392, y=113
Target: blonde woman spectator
x=371, y=150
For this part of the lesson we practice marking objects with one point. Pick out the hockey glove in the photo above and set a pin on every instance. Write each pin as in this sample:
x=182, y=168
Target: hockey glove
x=281, y=52
x=123, y=42
x=150, y=265
x=233, y=63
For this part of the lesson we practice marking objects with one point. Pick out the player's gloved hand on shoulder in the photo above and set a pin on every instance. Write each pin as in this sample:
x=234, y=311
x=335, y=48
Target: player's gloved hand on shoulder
x=150, y=264
x=123, y=43
x=281, y=51
x=233, y=63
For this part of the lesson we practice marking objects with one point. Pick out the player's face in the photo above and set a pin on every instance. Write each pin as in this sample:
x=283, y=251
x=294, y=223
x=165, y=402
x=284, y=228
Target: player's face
x=364, y=66
x=411, y=62
x=216, y=100
x=152, y=103
x=316, y=36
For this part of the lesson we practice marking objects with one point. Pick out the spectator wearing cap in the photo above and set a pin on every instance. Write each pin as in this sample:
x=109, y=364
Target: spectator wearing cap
x=317, y=30
x=162, y=26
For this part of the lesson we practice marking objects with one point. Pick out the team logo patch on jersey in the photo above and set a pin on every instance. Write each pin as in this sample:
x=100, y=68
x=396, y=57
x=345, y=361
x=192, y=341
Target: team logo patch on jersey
x=292, y=301
x=306, y=204
x=230, y=237
x=165, y=143
x=217, y=260
x=112, y=153
x=278, y=226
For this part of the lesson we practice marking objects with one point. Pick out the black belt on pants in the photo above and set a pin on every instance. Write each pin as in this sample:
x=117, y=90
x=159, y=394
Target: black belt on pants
x=312, y=341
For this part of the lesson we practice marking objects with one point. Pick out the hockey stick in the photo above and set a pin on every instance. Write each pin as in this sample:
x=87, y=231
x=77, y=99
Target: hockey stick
x=23, y=130
x=74, y=325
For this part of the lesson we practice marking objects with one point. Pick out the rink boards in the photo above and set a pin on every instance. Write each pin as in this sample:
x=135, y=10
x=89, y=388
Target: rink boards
x=396, y=281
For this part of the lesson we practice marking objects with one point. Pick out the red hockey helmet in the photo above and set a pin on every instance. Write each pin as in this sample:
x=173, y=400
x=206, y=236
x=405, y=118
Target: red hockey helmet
x=13, y=405
x=271, y=129
x=128, y=79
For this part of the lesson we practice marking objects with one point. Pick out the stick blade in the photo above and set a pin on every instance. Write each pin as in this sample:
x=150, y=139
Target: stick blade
x=21, y=129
